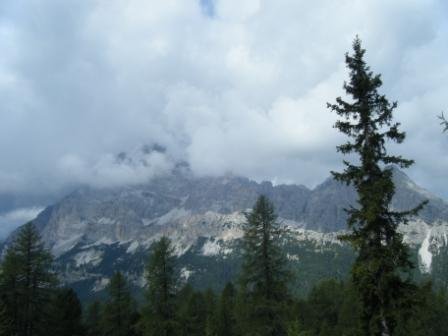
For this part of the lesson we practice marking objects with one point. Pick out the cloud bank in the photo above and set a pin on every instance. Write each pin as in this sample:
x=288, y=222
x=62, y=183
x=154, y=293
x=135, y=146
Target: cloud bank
x=10, y=220
x=228, y=86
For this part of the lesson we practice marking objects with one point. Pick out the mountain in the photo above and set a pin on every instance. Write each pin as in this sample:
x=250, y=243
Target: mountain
x=93, y=232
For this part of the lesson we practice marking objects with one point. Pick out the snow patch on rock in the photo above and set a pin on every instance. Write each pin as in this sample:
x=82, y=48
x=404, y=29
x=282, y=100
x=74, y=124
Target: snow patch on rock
x=185, y=273
x=425, y=254
x=293, y=257
x=172, y=216
x=133, y=247
x=91, y=256
x=65, y=245
x=100, y=284
x=211, y=248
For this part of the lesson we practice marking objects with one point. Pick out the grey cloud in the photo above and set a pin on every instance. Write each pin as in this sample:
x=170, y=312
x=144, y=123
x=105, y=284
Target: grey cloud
x=240, y=86
x=11, y=219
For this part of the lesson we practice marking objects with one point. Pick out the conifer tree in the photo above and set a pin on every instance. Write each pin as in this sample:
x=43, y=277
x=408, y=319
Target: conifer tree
x=183, y=298
x=194, y=317
x=439, y=267
x=93, y=319
x=65, y=314
x=210, y=311
x=159, y=314
x=294, y=329
x=26, y=282
x=379, y=272
x=118, y=318
x=264, y=276
x=5, y=321
x=225, y=319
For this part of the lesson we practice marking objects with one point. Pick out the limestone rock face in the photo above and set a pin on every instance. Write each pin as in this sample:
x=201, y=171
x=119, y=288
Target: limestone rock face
x=92, y=231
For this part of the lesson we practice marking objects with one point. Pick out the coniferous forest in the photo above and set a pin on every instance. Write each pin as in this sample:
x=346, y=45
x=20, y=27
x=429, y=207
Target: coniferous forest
x=381, y=296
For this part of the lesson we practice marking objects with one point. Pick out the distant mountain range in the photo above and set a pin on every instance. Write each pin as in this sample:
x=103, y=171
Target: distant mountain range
x=93, y=232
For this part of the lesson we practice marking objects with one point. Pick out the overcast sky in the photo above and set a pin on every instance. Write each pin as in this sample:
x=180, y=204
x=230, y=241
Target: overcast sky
x=235, y=86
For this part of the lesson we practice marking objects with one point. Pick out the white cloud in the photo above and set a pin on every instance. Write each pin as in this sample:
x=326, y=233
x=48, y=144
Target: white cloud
x=110, y=171
x=15, y=218
x=242, y=90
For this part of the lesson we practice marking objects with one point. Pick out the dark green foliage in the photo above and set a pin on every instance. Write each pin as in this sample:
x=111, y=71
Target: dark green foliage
x=92, y=319
x=428, y=317
x=443, y=122
x=159, y=314
x=264, y=275
x=316, y=262
x=66, y=314
x=119, y=314
x=439, y=267
x=294, y=329
x=211, y=271
x=434, y=312
x=5, y=321
x=193, y=315
x=380, y=270
x=26, y=283
x=225, y=321
x=332, y=308
x=210, y=312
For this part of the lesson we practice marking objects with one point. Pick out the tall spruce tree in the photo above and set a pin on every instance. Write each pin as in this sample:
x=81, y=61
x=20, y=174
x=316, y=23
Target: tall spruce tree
x=26, y=283
x=379, y=272
x=264, y=276
x=118, y=318
x=159, y=314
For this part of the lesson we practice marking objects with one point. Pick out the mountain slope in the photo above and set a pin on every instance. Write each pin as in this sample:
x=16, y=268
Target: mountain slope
x=95, y=231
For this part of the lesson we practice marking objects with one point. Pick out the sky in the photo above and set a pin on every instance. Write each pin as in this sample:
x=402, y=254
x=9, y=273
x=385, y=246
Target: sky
x=229, y=86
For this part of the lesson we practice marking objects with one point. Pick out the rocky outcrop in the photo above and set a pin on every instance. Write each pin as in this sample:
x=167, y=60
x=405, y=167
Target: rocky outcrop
x=93, y=231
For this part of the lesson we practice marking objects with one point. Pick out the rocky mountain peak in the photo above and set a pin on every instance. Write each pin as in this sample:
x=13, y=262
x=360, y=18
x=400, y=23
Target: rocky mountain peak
x=90, y=225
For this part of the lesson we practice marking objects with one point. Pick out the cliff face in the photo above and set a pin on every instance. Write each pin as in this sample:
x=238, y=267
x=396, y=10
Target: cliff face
x=181, y=203
x=94, y=231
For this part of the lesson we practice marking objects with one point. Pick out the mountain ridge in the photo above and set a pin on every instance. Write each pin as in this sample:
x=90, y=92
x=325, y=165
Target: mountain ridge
x=94, y=231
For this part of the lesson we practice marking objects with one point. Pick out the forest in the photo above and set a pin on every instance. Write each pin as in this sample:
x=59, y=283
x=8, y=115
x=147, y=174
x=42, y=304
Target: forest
x=380, y=298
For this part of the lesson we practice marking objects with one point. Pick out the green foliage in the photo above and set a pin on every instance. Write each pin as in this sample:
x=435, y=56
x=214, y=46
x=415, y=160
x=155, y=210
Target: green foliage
x=5, y=321
x=332, y=308
x=439, y=267
x=443, y=122
x=383, y=258
x=225, y=315
x=381, y=298
x=193, y=316
x=210, y=312
x=92, y=319
x=295, y=328
x=66, y=314
x=26, y=283
x=264, y=277
x=119, y=314
x=428, y=317
x=162, y=279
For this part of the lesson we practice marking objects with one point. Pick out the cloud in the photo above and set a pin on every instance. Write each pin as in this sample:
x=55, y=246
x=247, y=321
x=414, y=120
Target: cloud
x=226, y=85
x=12, y=219
x=115, y=170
